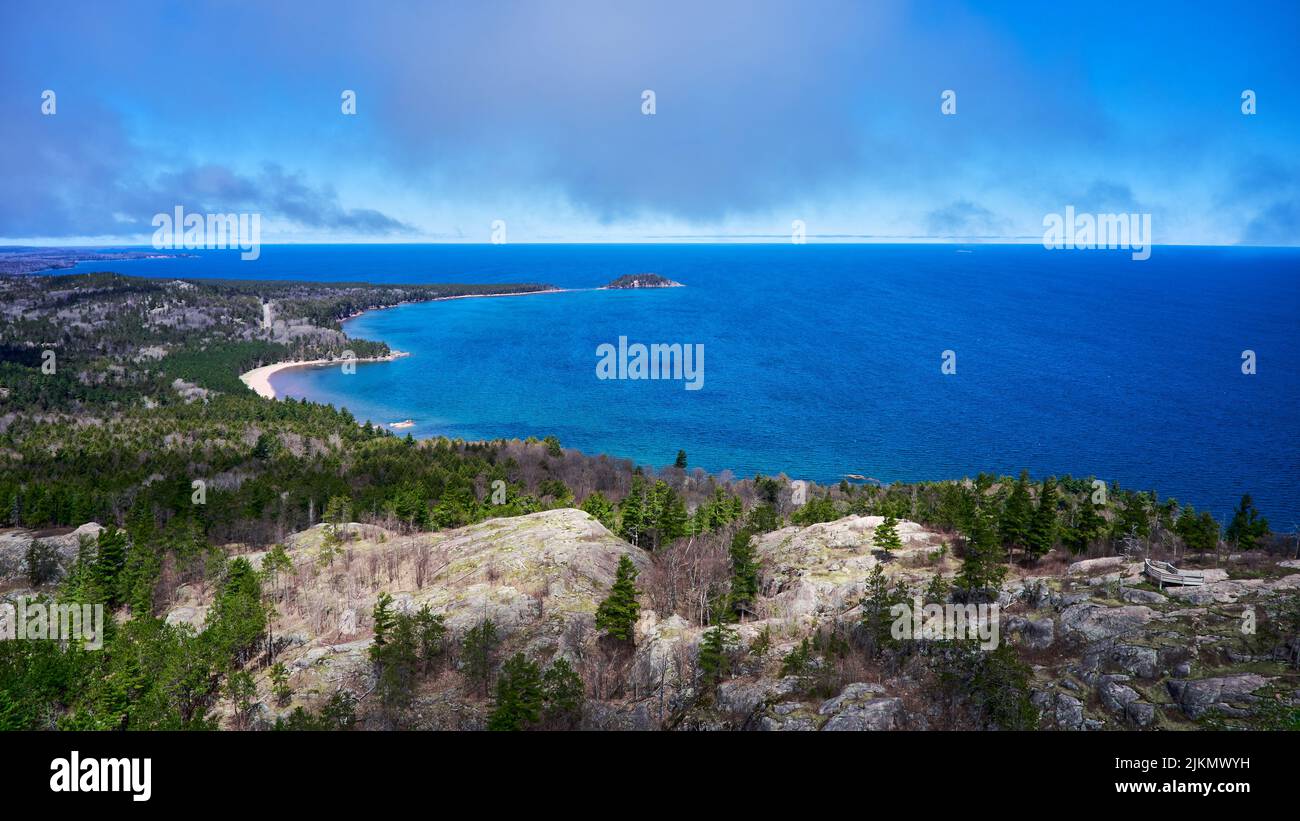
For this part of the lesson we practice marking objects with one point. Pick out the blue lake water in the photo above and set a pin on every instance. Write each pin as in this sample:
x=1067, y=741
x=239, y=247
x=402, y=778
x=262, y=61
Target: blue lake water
x=822, y=360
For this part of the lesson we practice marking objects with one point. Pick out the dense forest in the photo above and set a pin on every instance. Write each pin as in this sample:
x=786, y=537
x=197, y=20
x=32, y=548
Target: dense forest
x=120, y=403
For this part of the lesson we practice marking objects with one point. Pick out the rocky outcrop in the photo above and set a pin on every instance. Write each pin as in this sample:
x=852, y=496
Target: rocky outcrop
x=64, y=544
x=860, y=707
x=1103, y=655
x=1123, y=699
x=1227, y=694
x=1092, y=621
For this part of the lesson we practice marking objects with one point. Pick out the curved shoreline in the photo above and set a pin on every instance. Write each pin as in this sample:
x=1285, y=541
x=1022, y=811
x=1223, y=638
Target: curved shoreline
x=259, y=379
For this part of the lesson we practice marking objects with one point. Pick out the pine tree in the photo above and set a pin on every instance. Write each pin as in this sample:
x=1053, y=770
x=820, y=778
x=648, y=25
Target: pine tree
x=397, y=661
x=938, y=590
x=110, y=560
x=681, y=460
x=981, y=568
x=430, y=636
x=886, y=536
x=338, y=511
x=618, y=613
x=1199, y=532
x=562, y=693
x=877, y=600
x=1042, y=527
x=279, y=675
x=600, y=509
x=715, y=653
x=1017, y=514
x=672, y=518
x=1247, y=526
x=632, y=512
x=519, y=696
x=382, y=615
x=1088, y=526
x=744, y=573
x=477, y=651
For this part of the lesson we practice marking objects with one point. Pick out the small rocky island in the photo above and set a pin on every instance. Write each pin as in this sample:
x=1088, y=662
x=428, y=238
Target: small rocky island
x=643, y=281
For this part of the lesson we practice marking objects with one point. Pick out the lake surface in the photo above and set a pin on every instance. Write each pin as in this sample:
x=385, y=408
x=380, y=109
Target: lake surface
x=822, y=360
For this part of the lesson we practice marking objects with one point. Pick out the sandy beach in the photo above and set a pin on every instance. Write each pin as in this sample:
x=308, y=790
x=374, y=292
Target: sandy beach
x=259, y=379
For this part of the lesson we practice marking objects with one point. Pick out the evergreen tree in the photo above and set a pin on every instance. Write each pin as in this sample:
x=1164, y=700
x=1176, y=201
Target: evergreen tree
x=618, y=613
x=877, y=600
x=744, y=573
x=938, y=590
x=1088, y=527
x=562, y=693
x=632, y=512
x=818, y=509
x=1017, y=514
x=1042, y=527
x=279, y=676
x=714, y=659
x=600, y=509
x=1001, y=687
x=981, y=568
x=274, y=563
x=667, y=515
x=1134, y=518
x=110, y=561
x=431, y=637
x=338, y=511
x=519, y=696
x=237, y=619
x=1247, y=527
x=383, y=618
x=681, y=460
x=397, y=662
x=886, y=536
x=477, y=651
x=1199, y=532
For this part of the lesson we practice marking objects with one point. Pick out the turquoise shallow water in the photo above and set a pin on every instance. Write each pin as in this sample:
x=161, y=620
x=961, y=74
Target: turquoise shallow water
x=822, y=360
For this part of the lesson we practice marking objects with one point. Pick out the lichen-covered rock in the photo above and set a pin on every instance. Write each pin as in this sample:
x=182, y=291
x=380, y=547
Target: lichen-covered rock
x=15, y=542
x=1229, y=694
x=1069, y=713
x=1093, y=621
x=790, y=716
x=1123, y=699
x=819, y=570
x=1087, y=567
x=1034, y=634
x=859, y=707
x=1135, y=660
x=1136, y=596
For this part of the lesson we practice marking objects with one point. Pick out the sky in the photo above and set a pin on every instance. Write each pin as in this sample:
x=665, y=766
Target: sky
x=765, y=113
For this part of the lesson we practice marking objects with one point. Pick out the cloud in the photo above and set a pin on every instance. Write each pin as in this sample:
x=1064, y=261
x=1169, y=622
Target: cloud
x=1108, y=197
x=964, y=218
x=79, y=173
x=531, y=112
x=1278, y=224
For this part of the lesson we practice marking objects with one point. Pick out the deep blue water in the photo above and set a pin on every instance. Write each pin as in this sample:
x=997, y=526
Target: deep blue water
x=822, y=360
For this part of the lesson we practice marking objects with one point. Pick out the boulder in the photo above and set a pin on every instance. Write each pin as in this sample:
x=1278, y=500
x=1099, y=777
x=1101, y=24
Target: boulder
x=858, y=708
x=1136, y=596
x=1087, y=567
x=1227, y=694
x=1033, y=634
x=1123, y=699
x=1135, y=660
x=1093, y=621
x=14, y=544
x=1069, y=713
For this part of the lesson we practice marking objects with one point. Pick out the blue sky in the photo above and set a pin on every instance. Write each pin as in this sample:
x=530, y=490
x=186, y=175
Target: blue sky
x=766, y=113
